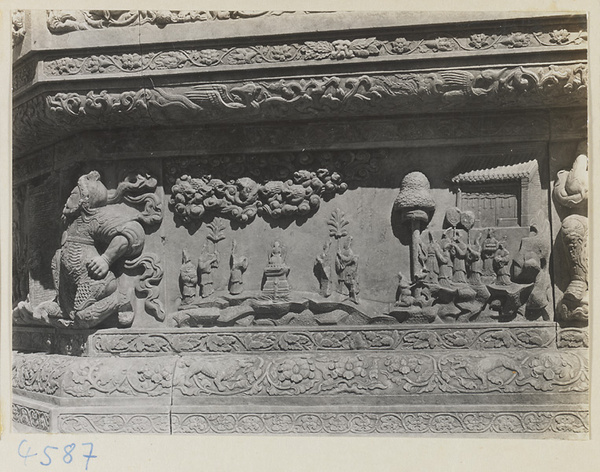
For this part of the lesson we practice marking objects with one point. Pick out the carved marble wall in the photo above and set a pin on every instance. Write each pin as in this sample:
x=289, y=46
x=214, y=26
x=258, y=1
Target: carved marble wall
x=330, y=230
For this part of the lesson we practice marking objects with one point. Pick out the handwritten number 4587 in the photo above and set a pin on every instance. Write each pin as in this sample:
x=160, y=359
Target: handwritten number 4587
x=49, y=455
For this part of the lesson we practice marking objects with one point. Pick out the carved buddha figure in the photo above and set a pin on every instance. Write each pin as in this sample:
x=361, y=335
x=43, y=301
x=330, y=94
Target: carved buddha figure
x=276, y=272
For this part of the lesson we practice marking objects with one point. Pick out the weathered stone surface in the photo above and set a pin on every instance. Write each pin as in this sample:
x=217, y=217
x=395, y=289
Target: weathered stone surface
x=300, y=222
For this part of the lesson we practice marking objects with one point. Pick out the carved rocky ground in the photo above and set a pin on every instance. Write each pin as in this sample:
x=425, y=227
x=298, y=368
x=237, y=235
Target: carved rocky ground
x=282, y=228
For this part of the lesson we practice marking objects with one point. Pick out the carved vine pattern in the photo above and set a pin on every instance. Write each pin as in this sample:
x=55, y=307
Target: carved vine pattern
x=113, y=423
x=417, y=340
x=341, y=49
x=373, y=374
x=81, y=377
x=31, y=417
x=391, y=423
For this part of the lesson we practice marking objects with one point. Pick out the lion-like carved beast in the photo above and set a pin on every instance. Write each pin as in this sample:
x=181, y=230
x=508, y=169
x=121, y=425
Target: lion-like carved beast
x=103, y=229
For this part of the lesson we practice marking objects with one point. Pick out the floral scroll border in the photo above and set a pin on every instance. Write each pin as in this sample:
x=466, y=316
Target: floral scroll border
x=308, y=51
x=526, y=422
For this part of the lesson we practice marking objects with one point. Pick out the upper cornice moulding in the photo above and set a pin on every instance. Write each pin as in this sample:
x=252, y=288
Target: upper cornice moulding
x=52, y=115
x=61, y=30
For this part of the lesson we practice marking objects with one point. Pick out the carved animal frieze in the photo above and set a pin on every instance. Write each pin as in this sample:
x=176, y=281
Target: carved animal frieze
x=381, y=373
x=56, y=114
x=242, y=199
x=102, y=229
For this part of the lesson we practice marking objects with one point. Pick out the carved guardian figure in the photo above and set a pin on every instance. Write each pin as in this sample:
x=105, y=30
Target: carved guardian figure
x=103, y=230
x=571, y=191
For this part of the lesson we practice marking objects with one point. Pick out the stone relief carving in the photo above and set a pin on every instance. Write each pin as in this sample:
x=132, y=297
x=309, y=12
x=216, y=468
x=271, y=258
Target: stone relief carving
x=65, y=21
x=112, y=423
x=32, y=417
x=89, y=283
x=381, y=373
x=307, y=339
x=276, y=285
x=507, y=85
x=80, y=377
x=438, y=334
x=242, y=199
x=416, y=206
x=346, y=266
x=572, y=338
x=188, y=279
x=388, y=339
x=491, y=422
x=238, y=265
x=462, y=276
x=337, y=50
x=322, y=270
x=571, y=191
x=531, y=422
x=328, y=96
x=23, y=75
x=18, y=27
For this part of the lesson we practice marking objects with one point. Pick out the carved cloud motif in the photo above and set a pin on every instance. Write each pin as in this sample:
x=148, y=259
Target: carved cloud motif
x=242, y=199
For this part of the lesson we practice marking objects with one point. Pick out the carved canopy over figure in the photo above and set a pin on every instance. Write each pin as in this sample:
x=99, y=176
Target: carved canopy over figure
x=103, y=230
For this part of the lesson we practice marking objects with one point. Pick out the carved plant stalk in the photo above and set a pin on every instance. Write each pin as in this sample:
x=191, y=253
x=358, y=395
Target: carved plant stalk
x=337, y=229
